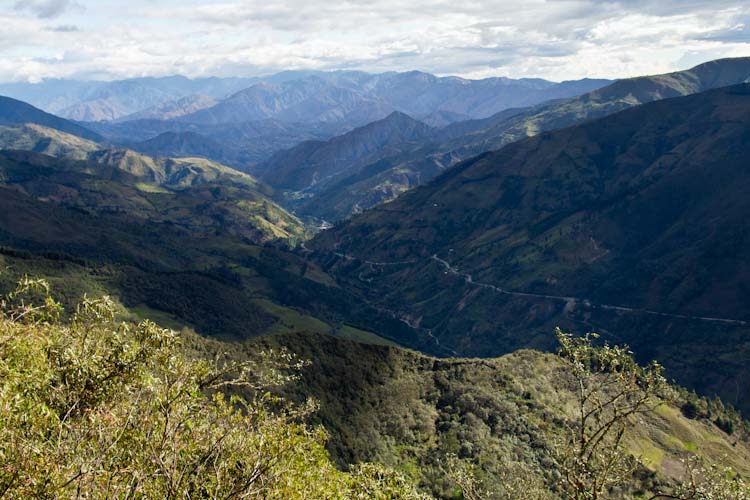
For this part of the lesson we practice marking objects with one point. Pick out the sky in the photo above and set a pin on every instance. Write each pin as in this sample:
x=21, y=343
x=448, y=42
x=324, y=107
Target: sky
x=553, y=39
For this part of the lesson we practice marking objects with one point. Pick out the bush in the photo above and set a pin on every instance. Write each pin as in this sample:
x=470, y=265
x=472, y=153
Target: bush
x=103, y=409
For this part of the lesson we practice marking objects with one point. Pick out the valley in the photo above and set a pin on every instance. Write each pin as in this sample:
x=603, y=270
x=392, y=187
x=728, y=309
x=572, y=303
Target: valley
x=387, y=263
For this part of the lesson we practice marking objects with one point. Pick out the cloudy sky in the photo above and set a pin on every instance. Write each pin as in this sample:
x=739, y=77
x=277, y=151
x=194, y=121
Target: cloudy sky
x=554, y=39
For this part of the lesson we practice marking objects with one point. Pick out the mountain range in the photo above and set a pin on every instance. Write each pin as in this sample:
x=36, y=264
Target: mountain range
x=416, y=162
x=351, y=96
x=253, y=118
x=633, y=226
x=98, y=100
x=356, y=98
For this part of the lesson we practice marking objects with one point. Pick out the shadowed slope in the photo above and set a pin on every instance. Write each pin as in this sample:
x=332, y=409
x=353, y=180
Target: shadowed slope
x=603, y=226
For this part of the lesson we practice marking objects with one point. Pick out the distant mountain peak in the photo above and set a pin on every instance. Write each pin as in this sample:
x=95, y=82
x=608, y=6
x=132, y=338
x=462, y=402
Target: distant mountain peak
x=396, y=117
x=317, y=163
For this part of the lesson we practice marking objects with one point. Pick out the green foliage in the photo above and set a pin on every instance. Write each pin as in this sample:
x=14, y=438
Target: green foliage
x=710, y=482
x=500, y=418
x=103, y=409
x=612, y=391
x=516, y=483
x=612, y=395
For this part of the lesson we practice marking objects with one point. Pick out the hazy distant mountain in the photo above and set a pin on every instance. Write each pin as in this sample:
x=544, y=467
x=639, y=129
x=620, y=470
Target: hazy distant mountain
x=634, y=226
x=418, y=93
x=14, y=112
x=313, y=165
x=241, y=145
x=308, y=100
x=173, y=109
x=357, y=98
x=391, y=175
x=94, y=101
x=440, y=119
x=350, y=97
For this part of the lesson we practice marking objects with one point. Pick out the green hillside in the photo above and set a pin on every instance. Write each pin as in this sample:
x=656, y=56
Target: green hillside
x=403, y=411
x=411, y=411
x=61, y=168
x=206, y=276
x=634, y=226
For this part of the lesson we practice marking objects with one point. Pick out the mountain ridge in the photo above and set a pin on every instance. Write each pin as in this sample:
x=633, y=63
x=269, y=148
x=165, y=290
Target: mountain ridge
x=313, y=162
x=459, y=141
x=15, y=112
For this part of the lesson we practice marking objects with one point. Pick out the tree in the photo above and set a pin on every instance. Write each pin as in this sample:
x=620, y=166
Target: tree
x=610, y=389
x=516, y=483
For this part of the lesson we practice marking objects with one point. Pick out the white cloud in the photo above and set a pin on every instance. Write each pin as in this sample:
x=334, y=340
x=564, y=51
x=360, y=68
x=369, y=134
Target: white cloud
x=556, y=39
x=46, y=8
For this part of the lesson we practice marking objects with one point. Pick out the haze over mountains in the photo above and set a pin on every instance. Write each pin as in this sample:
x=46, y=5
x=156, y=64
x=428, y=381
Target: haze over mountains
x=242, y=122
x=393, y=172
x=96, y=101
x=352, y=97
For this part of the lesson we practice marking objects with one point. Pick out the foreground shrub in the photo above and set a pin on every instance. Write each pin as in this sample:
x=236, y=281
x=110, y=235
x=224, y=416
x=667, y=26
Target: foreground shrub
x=97, y=408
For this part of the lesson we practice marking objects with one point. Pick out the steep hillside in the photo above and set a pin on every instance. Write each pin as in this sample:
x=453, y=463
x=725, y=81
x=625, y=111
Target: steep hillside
x=171, y=172
x=181, y=238
x=102, y=168
x=501, y=416
x=634, y=226
x=389, y=176
x=13, y=112
x=312, y=166
x=190, y=193
x=96, y=407
x=193, y=273
x=45, y=140
x=181, y=144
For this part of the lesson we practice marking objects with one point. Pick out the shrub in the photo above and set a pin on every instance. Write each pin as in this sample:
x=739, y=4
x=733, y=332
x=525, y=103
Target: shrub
x=98, y=408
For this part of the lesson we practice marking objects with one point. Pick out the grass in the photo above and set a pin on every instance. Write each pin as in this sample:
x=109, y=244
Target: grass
x=290, y=320
x=362, y=336
x=151, y=188
x=161, y=318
